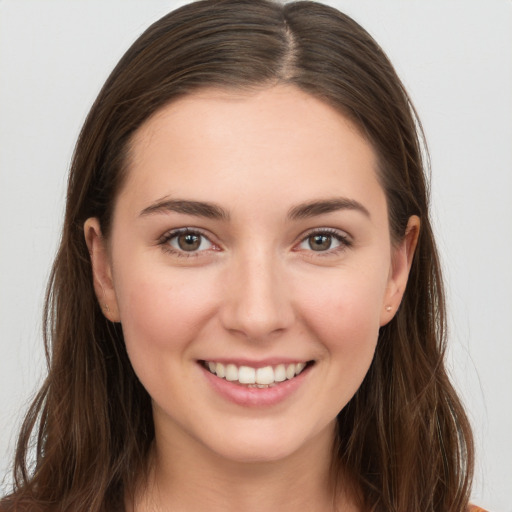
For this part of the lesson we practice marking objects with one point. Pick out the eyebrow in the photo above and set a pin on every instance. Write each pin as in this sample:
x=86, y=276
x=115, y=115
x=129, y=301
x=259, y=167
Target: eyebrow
x=314, y=208
x=197, y=208
x=213, y=211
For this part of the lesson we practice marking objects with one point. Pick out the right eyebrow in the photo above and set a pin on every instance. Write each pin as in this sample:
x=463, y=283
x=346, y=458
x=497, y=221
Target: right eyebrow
x=197, y=208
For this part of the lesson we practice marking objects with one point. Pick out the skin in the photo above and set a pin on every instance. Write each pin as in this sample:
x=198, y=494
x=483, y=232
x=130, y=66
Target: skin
x=255, y=289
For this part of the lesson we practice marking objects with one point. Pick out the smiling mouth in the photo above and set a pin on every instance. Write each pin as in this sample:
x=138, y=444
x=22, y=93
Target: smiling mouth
x=265, y=377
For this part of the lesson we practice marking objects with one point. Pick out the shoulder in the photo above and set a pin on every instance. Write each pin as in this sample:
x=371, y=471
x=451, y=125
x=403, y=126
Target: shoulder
x=471, y=508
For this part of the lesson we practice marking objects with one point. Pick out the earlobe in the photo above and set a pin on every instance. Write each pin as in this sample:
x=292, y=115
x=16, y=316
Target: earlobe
x=402, y=259
x=101, y=269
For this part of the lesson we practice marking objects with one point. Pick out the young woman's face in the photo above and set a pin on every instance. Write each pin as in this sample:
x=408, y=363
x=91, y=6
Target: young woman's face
x=250, y=266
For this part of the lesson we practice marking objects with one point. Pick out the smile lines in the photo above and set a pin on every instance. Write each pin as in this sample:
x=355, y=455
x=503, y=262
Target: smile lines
x=264, y=377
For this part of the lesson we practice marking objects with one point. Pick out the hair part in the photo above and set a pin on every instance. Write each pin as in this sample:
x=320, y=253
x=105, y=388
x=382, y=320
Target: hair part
x=404, y=441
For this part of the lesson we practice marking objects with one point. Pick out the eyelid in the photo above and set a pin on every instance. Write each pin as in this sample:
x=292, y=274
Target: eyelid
x=163, y=241
x=341, y=236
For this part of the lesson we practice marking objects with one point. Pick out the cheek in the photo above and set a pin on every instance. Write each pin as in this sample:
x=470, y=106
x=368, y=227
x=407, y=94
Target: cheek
x=345, y=306
x=162, y=314
x=161, y=311
x=344, y=316
x=347, y=322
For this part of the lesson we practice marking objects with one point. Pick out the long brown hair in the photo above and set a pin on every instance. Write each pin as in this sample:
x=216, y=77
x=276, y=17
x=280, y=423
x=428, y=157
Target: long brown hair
x=403, y=439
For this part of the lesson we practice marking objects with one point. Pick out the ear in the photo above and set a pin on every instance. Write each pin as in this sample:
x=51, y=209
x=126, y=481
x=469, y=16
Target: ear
x=101, y=269
x=401, y=262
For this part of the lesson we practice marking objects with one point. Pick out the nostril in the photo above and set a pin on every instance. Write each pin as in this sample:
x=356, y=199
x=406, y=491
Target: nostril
x=258, y=323
x=257, y=302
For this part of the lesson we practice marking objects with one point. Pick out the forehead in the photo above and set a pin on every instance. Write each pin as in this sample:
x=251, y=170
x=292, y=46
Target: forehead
x=258, y=114
x=224, y=144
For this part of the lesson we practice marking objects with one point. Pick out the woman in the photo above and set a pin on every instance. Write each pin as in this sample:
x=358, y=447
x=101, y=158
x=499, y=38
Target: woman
x=246, y=309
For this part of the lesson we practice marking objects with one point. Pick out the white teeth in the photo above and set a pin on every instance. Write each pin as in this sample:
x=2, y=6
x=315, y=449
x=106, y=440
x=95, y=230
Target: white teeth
x=231, y=372
x=264, y=377
x=247, y=375
x=280, y=373
x=299, y=367
x=220, y=370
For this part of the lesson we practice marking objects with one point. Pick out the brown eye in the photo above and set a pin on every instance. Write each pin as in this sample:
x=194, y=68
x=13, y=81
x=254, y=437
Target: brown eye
x=189, y=242
x=327, y=240
x=320, y=242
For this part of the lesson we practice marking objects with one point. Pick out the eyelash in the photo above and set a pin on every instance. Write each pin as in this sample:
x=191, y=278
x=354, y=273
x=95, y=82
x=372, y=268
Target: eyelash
x=343, y=239
x=340, y=237
x=170, y=235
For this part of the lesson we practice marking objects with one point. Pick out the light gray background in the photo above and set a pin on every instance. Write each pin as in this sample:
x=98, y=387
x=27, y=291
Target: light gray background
x=455, y=57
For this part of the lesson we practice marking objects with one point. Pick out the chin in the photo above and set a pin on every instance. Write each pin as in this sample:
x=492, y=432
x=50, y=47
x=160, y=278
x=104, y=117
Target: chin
x=269, y=444
x=251, y=453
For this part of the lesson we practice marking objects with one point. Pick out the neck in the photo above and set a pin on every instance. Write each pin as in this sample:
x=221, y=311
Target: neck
x=186, y=476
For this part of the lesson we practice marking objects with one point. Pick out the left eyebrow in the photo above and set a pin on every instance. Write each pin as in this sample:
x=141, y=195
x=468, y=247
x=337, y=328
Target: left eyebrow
x=314, y=208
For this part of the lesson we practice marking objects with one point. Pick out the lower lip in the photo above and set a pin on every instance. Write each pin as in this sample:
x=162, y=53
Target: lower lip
x=255, y=397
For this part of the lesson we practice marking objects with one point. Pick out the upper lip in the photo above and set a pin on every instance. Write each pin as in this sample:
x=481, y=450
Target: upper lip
x=260, y=363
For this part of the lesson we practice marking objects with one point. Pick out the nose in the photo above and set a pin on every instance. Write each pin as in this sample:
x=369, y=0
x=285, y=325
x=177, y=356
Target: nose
x=257, y=304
